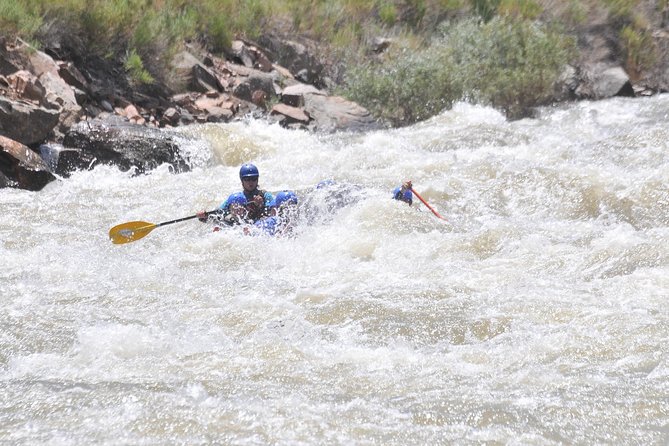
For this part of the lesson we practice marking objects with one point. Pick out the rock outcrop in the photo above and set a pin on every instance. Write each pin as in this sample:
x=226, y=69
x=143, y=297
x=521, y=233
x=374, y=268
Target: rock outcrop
x=120, y=143
x=74, y=120
x=22, y=167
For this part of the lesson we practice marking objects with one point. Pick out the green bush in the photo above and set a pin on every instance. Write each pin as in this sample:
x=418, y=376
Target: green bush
x=639, y=47
x=135, y=68
x=406, y=89
x=107, y=24
x=17, y=19
x=388, y=13
x=510, y=65
x=136, y=30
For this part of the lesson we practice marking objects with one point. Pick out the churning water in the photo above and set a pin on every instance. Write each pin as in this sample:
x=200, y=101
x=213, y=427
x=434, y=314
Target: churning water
x=537, y=315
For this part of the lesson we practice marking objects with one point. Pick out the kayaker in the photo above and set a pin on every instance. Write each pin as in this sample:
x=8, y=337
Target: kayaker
x=257, y=200
x=403, y=193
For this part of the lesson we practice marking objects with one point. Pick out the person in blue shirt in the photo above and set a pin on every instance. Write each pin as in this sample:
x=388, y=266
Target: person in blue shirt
x=258, y=200
x=403, y=193
x=255, y=202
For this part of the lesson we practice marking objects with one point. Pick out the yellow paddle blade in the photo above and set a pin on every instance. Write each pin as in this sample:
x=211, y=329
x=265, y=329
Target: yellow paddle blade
x=131, y=231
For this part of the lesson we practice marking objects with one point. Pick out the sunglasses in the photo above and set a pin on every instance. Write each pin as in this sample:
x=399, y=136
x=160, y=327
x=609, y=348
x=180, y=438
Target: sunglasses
x=250, y=179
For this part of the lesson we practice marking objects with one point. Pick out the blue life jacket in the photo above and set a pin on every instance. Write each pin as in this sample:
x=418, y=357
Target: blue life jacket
x=406, y=197
x=245, y=199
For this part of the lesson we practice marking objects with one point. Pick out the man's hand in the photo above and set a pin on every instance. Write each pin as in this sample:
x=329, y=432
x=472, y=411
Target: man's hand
x=256, y=205
x=258, y=201
x=202, y=216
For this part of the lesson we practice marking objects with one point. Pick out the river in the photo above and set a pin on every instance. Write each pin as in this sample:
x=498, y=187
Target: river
x=536, y=314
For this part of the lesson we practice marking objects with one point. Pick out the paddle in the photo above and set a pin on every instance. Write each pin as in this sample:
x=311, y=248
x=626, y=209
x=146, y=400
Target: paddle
x=134, y=230
x=425, y=203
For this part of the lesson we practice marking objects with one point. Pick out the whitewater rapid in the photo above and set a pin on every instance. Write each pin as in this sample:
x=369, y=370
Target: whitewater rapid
x=535, y=315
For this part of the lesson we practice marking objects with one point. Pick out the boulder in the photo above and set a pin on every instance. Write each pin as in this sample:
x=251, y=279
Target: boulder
x=611, y=82
x=70, y=74
x=10, y=61
x=21, y=167
x=296, y=57
x=290, y=114
x=256, y=81
x=204, y=80
x=23, y=84
x=26, y=122
x=182, y=68
x=241, y=53
x=334, y=113
x=250, y=56
x=214, y=109
x=293, y=95
x=118, y=142
x=566, y=84
x=58, y=91
x=190, y=73
x=64, y=160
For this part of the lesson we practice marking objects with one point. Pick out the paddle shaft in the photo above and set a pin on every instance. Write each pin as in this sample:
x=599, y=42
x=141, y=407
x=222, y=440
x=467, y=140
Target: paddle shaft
x=165, y=223
x=135, y=230
x=426, y=204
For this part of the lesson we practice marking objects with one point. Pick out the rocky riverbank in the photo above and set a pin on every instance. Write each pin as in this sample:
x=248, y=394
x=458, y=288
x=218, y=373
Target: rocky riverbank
x=74, y=116
x=59, y=112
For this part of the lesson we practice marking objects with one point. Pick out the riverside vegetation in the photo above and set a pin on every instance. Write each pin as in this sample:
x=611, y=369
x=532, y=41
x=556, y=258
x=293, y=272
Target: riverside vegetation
x=503, y=53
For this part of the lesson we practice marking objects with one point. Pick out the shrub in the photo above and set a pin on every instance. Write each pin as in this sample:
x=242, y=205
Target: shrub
x=510, y=65
x=639, y=50
x=16, y=19
x=388, y=13
x=406, y=89
x=135, y=68
x=107, y=25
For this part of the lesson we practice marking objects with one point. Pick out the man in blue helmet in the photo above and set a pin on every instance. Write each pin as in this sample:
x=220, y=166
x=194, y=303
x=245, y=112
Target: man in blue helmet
x=258, y=200
x=403, y=193
x=256, y=204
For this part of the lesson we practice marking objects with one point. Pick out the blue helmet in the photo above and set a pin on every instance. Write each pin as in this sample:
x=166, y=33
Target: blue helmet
x=285, y=196
x=236, y=198
x=248, y=171
x=407, y=196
